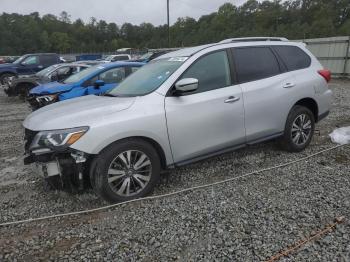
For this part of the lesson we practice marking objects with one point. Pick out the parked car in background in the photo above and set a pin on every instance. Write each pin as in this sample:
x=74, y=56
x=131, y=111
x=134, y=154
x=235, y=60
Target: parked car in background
x=150, y=56
x=115, y=58
x=90, y=62
x=27, y=64
x=92, y=81
x=88, y=57
x=22, y=84
x=182, y=107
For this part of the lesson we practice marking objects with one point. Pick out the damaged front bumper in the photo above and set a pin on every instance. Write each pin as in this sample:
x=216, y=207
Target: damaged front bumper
x=69, y=168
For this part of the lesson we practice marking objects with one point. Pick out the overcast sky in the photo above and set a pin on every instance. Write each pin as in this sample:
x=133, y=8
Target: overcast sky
x=118, y=11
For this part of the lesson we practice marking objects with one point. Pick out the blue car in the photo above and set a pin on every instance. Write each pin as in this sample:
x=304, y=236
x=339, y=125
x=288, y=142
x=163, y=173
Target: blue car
x=92, y=81
x=27, y=64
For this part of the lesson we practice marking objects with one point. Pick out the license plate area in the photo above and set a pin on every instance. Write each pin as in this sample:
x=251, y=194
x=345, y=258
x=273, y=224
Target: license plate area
x=48, y=169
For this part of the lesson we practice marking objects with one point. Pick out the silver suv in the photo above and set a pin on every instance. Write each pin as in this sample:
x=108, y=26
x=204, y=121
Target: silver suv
x=182, y=107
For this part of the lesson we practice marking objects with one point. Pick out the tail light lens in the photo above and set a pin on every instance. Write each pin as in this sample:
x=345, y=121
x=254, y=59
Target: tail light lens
x=326, y=74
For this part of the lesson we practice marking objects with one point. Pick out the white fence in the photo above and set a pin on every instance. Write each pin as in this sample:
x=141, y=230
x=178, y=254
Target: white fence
x=332, y=52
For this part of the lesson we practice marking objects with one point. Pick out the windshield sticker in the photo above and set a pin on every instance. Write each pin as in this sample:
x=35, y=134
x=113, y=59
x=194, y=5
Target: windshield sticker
x=178, y=59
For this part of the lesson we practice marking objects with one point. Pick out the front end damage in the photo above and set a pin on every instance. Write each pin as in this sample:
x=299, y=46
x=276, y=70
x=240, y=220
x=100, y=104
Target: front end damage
x=61, y=167
x=37, y=102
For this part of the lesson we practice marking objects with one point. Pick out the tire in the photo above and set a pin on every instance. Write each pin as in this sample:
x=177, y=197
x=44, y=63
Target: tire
x=299, y=129
x=3, y=77
x=117, y=179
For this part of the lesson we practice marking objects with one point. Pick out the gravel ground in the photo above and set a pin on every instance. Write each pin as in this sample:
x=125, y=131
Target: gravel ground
x=250, y=219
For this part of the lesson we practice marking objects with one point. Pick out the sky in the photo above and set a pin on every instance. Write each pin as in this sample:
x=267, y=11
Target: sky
x=117, y=11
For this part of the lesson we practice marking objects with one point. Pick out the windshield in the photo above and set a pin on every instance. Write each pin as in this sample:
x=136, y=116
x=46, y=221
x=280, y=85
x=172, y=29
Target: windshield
x=146, y=56
x=19, y=60
x=47, y=70
x=148, y=78
x=82, y=74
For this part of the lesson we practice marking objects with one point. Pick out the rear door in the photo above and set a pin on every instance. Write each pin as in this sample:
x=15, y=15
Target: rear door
x=47, y=60
x=211, y=119
x=266, y=87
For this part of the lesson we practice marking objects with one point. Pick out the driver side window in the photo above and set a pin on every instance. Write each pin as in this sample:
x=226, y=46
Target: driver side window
x=31, y=60
x=212, y=71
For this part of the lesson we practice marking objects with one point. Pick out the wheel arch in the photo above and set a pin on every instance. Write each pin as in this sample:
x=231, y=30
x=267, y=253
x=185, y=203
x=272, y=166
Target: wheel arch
x=309, y=103
x=149, y=140
x=8, y=72
x=24, y=84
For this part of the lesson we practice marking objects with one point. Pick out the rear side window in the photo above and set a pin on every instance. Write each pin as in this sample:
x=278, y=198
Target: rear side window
x=47, y=60
x=293, y=57
x=120, y=58
x=254, y=63
x=212, y=72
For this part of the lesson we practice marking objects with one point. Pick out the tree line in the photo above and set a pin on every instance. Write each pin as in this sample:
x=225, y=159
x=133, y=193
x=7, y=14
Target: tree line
x=294, y=19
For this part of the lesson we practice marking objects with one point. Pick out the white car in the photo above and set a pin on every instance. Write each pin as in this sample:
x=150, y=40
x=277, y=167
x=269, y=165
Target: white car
x=182, y=107
x=115, y=58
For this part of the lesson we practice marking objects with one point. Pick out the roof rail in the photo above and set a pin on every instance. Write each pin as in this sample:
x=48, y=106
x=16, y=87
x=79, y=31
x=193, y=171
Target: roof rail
x=253, y=39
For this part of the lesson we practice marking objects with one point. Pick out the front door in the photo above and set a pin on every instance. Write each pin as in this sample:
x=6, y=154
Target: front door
x=211, y=118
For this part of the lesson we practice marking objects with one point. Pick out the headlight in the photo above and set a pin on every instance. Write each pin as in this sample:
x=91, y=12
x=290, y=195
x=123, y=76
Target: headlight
x=58, y=139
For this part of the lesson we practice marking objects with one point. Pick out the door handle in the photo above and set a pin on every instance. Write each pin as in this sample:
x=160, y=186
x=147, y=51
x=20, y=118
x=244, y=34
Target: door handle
x=288, y=85
x=232, y=99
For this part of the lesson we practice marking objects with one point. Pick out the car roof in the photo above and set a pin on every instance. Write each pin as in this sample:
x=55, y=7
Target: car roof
x=42, y=54
x=244, y=41
x=185, y=52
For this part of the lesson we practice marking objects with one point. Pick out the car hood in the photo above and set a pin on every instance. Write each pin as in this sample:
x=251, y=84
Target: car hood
x=27, y=76
x=51, y=88
x=82, y=111
x=7, y=65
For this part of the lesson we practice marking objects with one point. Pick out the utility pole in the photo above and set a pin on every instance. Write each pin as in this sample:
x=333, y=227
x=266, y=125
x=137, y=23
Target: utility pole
x=168, y=23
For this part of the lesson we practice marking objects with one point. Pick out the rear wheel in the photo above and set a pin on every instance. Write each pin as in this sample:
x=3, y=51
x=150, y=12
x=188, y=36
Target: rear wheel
x=126, y=170
x=299, y=129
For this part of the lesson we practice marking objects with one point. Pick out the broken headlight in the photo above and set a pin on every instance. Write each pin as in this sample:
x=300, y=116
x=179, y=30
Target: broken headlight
x=57, y=139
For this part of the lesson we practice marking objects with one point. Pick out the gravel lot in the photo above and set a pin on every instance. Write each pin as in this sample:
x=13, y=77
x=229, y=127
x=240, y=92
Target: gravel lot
x=250, y=219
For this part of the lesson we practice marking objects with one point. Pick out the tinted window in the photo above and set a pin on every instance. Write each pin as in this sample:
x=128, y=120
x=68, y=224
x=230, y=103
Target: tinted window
x=212, y=72
x=254, y=63
x=120, y=58
x=47, y=60
x=293, y=57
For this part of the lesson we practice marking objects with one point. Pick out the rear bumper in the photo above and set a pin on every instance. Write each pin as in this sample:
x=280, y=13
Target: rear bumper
x=323, y=116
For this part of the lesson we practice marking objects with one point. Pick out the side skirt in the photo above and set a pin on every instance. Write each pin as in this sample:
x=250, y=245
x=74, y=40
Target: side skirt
x=223, y=151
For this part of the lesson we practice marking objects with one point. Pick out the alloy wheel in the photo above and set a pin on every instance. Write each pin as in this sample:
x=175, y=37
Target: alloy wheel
x=301, y=129
x=129, y=173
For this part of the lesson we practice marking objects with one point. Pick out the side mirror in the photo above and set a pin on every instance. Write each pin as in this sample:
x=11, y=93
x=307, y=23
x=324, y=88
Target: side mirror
x=99, y=83
x=186, y=85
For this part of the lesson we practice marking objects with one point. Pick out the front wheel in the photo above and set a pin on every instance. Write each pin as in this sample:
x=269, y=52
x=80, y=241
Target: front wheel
x=126, y=170
x=4, y=78
x=299, y=129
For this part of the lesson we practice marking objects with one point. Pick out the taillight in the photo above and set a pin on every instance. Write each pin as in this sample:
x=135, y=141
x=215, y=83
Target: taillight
x=326, y=74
